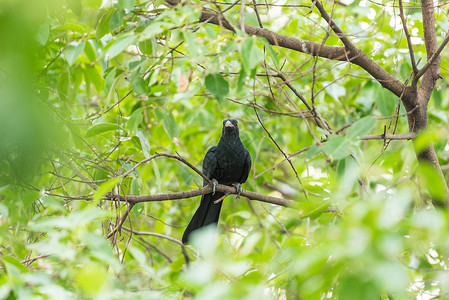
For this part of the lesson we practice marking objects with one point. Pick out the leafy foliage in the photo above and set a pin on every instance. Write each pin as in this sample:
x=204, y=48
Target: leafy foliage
x=90, y=88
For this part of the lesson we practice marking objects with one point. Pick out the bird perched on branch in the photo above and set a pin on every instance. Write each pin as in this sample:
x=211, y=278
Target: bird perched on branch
x=227, y=163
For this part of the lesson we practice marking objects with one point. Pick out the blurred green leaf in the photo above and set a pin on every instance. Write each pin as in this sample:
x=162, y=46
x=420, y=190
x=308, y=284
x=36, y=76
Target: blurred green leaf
x=3, y=211
x=126, y=4
x=73, y=52
x=360, y=128
x=170, y=125
x=43, y=34
x=313, y=151
x=76, y=6
x=116, y=47
x=251, y=55
x=101, y=128
x=134, y=120
x=13, y=266
x=153, y=29
x=135, y=190
x=386, y=102
x=433, y=182
x=148, y=46
x=144, y=143
x=116, y=20
x=217, y=86
x=337, y=147
x=103, y=24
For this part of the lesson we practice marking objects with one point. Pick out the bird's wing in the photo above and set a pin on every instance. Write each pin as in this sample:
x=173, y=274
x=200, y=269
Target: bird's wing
x=210, y=163
x=246, y=167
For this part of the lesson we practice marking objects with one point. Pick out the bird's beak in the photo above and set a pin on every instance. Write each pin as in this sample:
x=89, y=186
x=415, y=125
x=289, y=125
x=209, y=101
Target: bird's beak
x=228, y=124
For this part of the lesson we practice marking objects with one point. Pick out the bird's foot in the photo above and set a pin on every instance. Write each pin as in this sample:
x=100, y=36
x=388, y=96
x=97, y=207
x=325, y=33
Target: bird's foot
x=214, y=185
x=238, y=188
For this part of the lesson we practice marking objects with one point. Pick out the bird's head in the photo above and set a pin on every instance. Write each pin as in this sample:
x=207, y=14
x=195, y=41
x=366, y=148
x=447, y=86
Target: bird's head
x=230, y=128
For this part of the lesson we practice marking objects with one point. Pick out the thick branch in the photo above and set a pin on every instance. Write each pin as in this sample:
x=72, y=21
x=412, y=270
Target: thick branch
x=348, y=53
x=201, y=191
x=304, y=46
x=433, y=57
x=356, y=56
x=430, y=40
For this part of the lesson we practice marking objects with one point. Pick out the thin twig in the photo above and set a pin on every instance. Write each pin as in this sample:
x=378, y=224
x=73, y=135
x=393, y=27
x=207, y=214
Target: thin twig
x=432, y=59
x=154, y=234
x=408, y=136
x=283, y=153
x=407, y=36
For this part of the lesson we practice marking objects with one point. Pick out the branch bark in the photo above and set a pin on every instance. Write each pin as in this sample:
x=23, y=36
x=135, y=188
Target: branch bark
x=348, y=53
x=430, y=40
x=198, y=192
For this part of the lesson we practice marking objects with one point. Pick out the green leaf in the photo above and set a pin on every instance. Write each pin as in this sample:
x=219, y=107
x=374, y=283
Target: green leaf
x=360, y=128
x=251, y=55
x=313, y=151
x=73, y=51
x=89, y=51
x=3, y=211
x=116, y=20
x=76, y=6
x=126, y=4
x=148, y=46
x=42, y=34
x=156, y=27
x=144, y=143
x=432, y=181
x=93, y=75
x=105, y=187
x=115, y=47
x=14, y=266
x=103, y=25
x=437, y=98
x=170, y=125
x=100, y=128
x=217, y=85
x=135, y=190
x=386, y=102
x=138, y=208
x=140, y=85
x=335, y=90
x=101, y=249
x=337, y=147
x=316, y=211
x=242, y=79
x=271, y=53
x=134, y=120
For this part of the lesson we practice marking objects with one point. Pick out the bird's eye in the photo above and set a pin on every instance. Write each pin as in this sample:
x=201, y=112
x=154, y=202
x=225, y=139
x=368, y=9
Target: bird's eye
x=236, y=123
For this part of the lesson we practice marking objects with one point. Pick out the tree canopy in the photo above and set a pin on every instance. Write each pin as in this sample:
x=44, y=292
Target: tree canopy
x=107, y=109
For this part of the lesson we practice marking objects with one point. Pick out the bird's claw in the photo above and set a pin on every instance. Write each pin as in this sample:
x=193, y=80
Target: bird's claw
x=214, y=185
x=238, y=188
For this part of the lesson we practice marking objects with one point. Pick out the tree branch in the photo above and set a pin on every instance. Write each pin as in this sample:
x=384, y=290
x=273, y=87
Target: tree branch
x=349, y=53
x=198, y=192
x=177, y=157
x=356, y=56
x=407, y=36
x=409, y=136
x=430, y=40
x=304, y=46
x=432, y=58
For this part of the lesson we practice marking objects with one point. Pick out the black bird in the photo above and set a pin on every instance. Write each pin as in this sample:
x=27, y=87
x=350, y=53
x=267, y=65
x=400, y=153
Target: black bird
x=227, y=163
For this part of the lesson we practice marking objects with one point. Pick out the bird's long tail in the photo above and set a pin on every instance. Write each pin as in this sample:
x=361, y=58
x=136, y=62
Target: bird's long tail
x=207, y=213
